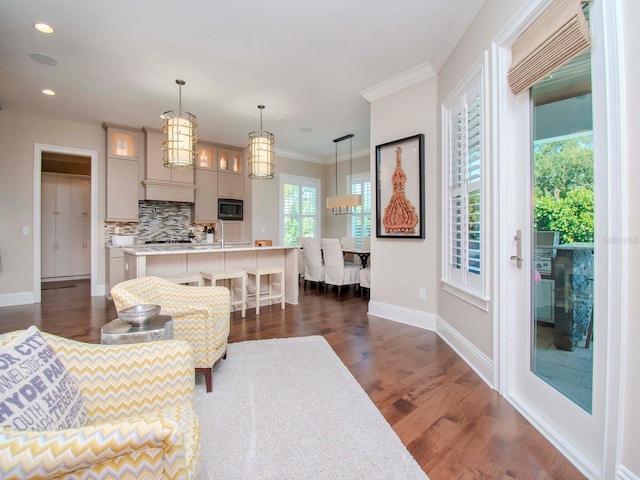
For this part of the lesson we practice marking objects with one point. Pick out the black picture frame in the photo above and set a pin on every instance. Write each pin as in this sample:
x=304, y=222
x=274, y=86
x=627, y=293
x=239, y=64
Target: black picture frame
x=394, y=216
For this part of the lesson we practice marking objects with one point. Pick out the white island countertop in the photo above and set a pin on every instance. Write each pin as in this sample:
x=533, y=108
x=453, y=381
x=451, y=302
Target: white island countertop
x=173, y=258
x=171, y=249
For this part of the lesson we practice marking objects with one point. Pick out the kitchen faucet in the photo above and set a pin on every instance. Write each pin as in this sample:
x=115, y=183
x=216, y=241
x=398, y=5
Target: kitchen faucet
x=221, y=232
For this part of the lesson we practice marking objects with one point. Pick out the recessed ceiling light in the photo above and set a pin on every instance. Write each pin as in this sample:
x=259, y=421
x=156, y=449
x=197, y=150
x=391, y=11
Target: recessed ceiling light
x=46, y=91
x=43, y=28
x=43, y=59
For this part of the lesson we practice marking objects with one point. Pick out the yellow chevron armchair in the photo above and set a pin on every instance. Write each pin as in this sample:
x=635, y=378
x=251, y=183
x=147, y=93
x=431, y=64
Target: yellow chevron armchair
x=201, y=315
x=141, y=419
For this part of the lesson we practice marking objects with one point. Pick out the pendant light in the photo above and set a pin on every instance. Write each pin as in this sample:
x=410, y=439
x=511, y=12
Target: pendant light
x=261, y=153
x=343, y=204
x=179, y=138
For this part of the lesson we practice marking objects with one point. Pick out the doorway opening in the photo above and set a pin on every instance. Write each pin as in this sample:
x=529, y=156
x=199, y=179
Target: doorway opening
x=65, y=213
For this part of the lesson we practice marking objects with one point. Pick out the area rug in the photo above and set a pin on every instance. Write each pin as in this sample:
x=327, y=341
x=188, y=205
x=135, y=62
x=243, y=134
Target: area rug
x=290, y=409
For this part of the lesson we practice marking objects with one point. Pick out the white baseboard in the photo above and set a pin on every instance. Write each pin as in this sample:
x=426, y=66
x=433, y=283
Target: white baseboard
x=625, y=474
x=476, y=359
x=25, y=298
x=17, y=298
x=408, y=316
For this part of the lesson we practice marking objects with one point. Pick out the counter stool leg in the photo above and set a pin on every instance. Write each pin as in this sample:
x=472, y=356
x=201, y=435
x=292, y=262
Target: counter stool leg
x=244, y=294
x=258, y=294
x=282, y=302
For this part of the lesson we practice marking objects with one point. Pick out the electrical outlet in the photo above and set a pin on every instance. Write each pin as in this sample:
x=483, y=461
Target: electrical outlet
x=26, y=230
x=422, y=293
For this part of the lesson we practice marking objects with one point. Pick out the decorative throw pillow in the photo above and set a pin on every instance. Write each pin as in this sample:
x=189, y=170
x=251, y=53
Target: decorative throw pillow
x=36, y=392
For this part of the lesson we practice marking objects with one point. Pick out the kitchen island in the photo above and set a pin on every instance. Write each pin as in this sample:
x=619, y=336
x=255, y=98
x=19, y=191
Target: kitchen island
x=167, y=259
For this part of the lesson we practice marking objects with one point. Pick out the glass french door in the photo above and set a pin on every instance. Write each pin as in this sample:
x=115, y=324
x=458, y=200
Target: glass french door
x=551, y=283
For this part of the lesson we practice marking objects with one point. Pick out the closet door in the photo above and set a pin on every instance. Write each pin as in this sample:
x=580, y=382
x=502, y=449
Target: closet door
x=48, y=237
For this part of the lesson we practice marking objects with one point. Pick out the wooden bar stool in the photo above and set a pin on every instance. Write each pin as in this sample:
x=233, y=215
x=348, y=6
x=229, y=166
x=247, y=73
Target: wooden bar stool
x=184, y=278
x=229, y=276
x=270, y=271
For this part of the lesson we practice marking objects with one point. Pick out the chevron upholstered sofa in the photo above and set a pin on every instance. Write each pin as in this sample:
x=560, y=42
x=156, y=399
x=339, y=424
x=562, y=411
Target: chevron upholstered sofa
x=141, y=421
x=201, y=315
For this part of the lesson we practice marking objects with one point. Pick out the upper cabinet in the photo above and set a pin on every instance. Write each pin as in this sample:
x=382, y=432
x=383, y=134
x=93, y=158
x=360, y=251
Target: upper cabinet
x=207, y=156
x=230, y=178
x=230, y=160
x=165, y=183
x=123, y=150
x=122, y=143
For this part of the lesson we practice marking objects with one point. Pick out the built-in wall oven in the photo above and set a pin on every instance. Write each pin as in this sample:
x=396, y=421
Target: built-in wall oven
x=230, y=209
x=545, y=285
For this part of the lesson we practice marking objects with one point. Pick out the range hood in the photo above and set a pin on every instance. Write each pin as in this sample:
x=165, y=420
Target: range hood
x=168, y=192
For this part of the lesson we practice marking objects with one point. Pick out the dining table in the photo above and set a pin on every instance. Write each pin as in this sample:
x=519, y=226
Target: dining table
x=363, y=253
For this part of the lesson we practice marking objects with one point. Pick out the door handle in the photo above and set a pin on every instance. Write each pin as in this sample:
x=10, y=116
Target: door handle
x=518, y=256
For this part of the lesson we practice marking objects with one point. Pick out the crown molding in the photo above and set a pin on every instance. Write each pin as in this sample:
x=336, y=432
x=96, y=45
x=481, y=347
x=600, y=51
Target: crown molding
x=321, y=160
x=399, y=82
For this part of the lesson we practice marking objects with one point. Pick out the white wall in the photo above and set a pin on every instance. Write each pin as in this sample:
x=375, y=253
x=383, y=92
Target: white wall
x=335, y=226
x=401, y=266
x=474, y=324
x=19, y=132
x=265, y=200
x=265, y=195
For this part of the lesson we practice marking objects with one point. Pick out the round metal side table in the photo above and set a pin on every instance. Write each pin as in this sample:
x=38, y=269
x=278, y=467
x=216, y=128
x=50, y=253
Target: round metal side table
x=118, y=332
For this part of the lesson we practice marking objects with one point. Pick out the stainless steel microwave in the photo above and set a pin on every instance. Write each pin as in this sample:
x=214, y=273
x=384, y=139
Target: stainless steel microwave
x=230, y=209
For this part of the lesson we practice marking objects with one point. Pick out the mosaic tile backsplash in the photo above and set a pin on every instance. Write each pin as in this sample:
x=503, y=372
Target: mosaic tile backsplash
x=159, y=221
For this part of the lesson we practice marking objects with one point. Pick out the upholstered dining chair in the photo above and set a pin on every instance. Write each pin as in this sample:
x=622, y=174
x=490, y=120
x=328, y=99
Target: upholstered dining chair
x=140, y=416
x=201, y=315
x=337, y=272
x=347, y=243
x=313, y=268
x=365, y=279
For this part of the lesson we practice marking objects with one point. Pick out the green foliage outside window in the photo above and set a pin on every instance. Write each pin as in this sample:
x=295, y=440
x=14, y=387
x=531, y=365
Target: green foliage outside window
x=563, y=194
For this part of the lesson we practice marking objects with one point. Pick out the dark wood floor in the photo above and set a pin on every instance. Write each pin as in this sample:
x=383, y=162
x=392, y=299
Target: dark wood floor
x=452, y=423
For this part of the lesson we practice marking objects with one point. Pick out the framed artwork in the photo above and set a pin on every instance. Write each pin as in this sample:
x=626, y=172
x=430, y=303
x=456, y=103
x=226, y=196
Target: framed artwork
x=400, y=188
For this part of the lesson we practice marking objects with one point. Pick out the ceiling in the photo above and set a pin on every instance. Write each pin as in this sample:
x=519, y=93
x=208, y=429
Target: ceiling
x=309, y=63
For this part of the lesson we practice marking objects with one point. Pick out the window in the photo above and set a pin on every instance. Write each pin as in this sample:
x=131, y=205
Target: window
x=464, y=267
x=359, y=222
x=299, y=208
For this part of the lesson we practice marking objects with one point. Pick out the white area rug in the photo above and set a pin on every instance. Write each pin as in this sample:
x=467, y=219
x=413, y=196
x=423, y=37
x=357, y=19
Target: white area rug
x=289, y=409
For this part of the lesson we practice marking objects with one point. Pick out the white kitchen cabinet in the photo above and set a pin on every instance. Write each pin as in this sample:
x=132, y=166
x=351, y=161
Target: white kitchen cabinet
x=115, y=268
x=206, y=205
x=155, y=169
x=122, y=174
x=230, y=160
x=206, y=156
x=122, y=190
x=66, y=226
x=164, y=183
x=230, y=185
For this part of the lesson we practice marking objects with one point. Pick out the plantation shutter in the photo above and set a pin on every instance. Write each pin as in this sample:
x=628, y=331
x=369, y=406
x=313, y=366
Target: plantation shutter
x=554, y=38
x=361, y=217
x=456, y=146
x=299, y=203
x=472, y=177
x=464, y=151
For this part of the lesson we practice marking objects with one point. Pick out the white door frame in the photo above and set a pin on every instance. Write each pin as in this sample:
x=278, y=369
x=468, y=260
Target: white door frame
x=38, y=150
x=608, y=140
